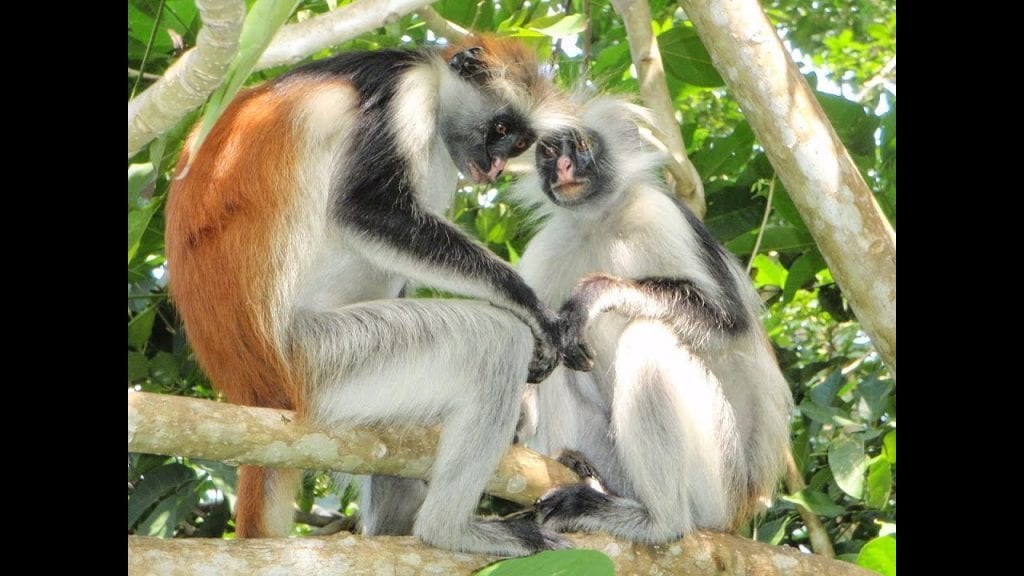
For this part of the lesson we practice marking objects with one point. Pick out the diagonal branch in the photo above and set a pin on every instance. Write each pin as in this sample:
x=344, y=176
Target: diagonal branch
x=842, y=214
x=636, y=16
x=297, y=41
x=187, y=84
x=439, y=25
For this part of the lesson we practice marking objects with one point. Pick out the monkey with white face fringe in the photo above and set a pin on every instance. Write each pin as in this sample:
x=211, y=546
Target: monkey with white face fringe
x=311, y=203
x=670, y=390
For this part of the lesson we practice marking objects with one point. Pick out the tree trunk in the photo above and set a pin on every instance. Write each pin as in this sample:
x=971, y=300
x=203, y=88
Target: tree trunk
x=849, y=228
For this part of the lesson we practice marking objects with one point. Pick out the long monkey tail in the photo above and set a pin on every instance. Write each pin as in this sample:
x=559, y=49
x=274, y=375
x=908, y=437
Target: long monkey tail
x=265, y=501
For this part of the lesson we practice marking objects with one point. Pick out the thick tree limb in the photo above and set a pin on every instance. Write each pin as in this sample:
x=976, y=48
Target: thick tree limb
x=173, y=425
x=704, y=553
x=186, y=84
x=857, y=241
x=636, y=16
x=297, y=41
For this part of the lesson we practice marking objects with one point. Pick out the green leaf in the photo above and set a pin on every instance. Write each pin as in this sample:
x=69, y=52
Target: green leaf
x=725, y=156
x=732, y=211
x=854, y=125
x=824, y=414
x=802, y=272
x=140, y=176
x=773, y=531
x=848, y=463
x=889, y=447
x=554, y=563
x=162, y=521
x=778, y=238
x=769, y=272
x=783, y=205
x=879, y=555
x=686, y=59
x=874, y=394
x=817, y=502
x=138, y=366
x=140, y=210
x=260, y=25
x=824, y=393
x=140, y=327
x=611, y=61
x=558, y=26
x=154, y=486
x=164, y=368
x=879, y=483
x=458, y=11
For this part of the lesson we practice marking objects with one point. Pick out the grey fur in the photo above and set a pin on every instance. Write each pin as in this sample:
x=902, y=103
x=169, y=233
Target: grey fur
x=686, y=420
x=369, y=360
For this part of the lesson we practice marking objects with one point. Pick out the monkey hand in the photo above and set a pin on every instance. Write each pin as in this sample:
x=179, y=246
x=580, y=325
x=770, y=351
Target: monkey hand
x=545, y=350
x=576, y=351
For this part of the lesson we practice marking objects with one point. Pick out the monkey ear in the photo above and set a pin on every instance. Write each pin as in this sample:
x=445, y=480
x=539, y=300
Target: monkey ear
x=467, y=63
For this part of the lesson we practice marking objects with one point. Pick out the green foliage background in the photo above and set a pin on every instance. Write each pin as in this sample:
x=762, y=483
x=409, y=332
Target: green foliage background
x=844, y=431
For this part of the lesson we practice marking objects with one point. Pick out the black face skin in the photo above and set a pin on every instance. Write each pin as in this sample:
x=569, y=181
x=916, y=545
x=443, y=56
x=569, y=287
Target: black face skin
x=572, y=167
x=508, y=136
x=505, y=136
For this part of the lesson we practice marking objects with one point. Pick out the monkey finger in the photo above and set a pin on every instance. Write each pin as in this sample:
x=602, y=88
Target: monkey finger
x=578, y=355
x=545, y=360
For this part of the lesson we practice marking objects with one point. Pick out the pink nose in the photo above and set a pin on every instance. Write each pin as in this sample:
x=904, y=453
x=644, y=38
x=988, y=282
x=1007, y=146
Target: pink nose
x=497, y=167
x=564, y=168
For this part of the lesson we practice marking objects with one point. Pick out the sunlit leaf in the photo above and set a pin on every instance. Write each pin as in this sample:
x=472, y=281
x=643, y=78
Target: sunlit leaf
x=848, y=463
x=879, y=555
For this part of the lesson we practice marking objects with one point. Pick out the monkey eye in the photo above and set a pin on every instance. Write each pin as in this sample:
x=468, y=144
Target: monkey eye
x=548, y=152
x=521, y=144
x=501, y=128
x=583, y=146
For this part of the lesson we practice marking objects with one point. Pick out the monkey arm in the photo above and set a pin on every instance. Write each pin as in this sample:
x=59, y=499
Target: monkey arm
x=420, y=245
x=690, y=311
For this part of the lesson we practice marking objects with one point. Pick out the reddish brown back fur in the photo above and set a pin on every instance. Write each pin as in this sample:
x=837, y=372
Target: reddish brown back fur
x=505, y=57
x=221, y=221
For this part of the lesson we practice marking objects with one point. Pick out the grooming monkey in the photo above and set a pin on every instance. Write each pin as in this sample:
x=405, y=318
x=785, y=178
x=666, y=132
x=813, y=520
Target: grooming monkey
x=670, y=389
x=318, y=195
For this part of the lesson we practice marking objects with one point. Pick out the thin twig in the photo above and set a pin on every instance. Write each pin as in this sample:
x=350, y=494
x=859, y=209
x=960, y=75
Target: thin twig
x=440, y=25
x=133, y=73
x=587, y=39
x=149, y=46
x=880, y=77
x=816, y=532
x=764, y=223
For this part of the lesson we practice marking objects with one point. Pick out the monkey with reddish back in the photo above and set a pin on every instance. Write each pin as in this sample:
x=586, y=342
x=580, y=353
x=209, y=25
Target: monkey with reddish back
x=310, y=204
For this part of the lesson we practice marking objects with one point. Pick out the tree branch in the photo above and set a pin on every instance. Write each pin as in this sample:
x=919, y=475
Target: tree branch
x=198, y=72
x=186, y=84
x=636, y=16
x=173, y=425
x=849, y=228
x=297, y=41
x=820, y=542
x=703, y=553
x=441, y=26
x=880, y=77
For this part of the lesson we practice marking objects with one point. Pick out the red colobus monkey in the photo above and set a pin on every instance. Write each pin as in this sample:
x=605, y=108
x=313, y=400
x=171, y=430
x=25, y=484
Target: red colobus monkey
x=681, y=407
x=319, y=194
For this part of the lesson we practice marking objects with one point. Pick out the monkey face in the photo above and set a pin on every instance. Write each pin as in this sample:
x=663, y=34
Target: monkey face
x=481, y=151
x=570, y=166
